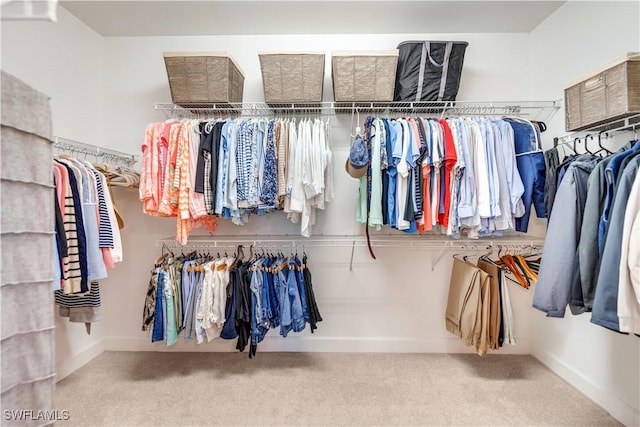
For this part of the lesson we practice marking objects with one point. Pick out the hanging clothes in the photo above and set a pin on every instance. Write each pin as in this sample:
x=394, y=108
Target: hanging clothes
x=479, y=309
x=531, y=166
x=200, y=171
x=587, y=257
x=559, y=280
x=205, y=297
x=605, y=301
x=629, y=286
x=87, y=238
x=457, y=177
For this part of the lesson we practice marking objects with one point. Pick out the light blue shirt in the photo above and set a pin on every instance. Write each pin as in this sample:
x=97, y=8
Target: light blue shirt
x=514, y=182
x=223, y=165
x=467, y=181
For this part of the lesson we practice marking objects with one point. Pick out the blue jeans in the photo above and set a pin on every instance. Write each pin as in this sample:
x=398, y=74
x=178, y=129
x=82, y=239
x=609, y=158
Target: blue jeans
x=189, y=280
x=267, y=314
x=258, y=329
x=533, y=174
x=284, y=303
x=301, y=291
x=158, y=318
x=297, y=317
x=273, y=295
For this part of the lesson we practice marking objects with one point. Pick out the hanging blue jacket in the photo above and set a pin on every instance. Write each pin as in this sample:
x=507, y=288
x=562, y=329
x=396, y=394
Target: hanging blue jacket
x=605, y=303
x=611, y=174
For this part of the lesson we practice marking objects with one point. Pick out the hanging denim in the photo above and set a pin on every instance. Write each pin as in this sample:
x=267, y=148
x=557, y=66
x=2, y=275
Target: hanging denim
x=158, y=318
x=301, y=290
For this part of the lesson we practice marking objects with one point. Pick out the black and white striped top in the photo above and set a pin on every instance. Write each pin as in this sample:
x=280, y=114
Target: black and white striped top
x=105, y=232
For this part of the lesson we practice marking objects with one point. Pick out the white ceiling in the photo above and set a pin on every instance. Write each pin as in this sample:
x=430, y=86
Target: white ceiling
x=178, y=18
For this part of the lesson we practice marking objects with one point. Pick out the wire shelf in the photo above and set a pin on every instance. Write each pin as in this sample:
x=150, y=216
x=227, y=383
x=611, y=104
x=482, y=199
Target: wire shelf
x=64, y=145
x=534, y=110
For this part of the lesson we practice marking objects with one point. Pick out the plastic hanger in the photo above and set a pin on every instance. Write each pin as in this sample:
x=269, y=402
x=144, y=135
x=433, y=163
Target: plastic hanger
x=602, y=148
x=586, y=143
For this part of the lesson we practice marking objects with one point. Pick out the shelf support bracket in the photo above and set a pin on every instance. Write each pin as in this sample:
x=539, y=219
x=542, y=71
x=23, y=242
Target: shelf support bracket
x=439, y=257
x=353, y=248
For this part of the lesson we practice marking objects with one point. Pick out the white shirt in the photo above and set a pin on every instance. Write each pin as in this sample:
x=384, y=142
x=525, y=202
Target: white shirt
x=505, y=220
x=328, y=176
x=308, y=211
x=293, y=143
x=403, y=174
x=482, y=171
x=207, y=301
x=629, y=282
x=297, y=169
x=375, y=211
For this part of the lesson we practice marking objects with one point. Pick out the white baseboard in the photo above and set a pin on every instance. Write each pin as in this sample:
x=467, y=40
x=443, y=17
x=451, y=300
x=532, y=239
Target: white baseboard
x=618, y=408
x=66, y=367
x=316, y=344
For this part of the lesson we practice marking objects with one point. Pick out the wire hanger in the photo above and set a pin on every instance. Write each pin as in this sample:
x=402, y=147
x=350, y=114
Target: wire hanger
x=357, y=112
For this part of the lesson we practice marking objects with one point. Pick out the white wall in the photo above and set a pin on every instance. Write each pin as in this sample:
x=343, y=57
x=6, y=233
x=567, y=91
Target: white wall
x=393, y=304
x=604, y=365
x=63, y=60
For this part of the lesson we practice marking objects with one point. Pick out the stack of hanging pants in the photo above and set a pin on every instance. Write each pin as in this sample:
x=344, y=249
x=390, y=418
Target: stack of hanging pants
x=473, y=307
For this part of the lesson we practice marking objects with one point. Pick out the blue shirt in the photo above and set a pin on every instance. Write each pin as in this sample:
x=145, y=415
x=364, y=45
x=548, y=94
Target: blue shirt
x=467, y=204
x=395, y=130
x=223, y=164
x=605, y=302
x=611, y=174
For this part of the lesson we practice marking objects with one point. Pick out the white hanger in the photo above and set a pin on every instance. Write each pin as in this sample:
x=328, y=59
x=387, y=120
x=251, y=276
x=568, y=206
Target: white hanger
x=357, y=122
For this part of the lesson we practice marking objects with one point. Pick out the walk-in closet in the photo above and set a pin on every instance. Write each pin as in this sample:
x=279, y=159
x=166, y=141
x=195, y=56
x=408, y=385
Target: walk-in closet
x=320, y=213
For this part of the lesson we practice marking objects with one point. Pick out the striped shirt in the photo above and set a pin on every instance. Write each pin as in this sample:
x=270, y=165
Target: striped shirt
x=243, y=162
x=89, y=299
x=281, y=150
x=208, y=193
x=105, y=231
x=72, y=272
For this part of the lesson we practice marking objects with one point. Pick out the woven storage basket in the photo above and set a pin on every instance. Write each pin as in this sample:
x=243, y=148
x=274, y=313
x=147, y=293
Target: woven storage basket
x=364, y=75
x=292, y=77
x=203, y=78
x=610, y=93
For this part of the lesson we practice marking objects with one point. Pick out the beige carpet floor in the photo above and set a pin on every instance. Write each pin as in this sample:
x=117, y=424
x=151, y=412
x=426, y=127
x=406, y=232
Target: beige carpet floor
x=205, y=389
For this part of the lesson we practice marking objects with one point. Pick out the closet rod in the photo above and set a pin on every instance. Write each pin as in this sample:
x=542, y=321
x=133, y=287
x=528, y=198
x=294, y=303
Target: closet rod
x=403, y=241
x=351, y=241
x=334, y=241
x=65, y=144
x=626, y=124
